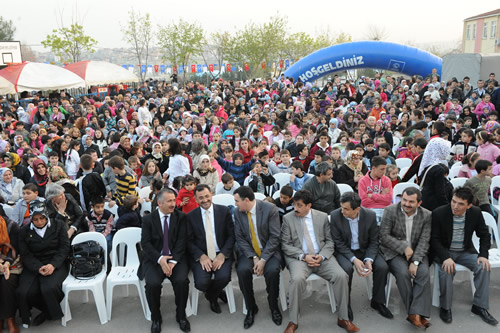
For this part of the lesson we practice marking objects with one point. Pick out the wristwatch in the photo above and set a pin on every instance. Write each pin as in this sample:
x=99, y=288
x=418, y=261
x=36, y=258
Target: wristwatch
x=416, y=263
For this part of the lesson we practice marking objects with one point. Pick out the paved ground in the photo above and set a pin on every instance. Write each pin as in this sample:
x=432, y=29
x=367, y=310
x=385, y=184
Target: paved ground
x=316, y=313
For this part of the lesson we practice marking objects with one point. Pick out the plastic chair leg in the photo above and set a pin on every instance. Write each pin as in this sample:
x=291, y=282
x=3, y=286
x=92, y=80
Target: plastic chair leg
x=100, y=303
x=109, y=298
x=195, y=294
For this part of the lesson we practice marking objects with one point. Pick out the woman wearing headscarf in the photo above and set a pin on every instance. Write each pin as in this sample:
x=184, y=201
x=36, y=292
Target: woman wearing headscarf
x=9, y=271
x=206, y=174
x=158, y=157
x=4, y=146
x=11, y=188
x=40, y=177
x=353, y=169
x=44, y=247
x=333, y=130
x=58, y=176
x=13, y=162
x=431, y=174
x=87, y=143
x=125, y=147
x=381, y=130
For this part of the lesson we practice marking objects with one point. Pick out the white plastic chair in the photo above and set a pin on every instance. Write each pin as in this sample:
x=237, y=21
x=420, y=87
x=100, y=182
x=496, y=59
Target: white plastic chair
x=125, y=275
x=94, y=284
x=282, y=293
x=399, y=188
x=268, y=135
x=403, y=162
x=276, y=195
x=195, y=294
x=146, y=206
x=395, y=141
x=458, y=182
x=343, y=188
x=223, y=199
x=259, y=196
x=495, y=182
x=144, y=192
x=282, y=178
x=331, y=295
x=455, y=168
x=113, y=210
x=9, y=211
x=189, y=311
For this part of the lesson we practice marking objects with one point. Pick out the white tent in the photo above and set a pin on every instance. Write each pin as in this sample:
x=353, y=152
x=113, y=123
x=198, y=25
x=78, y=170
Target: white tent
x=101, y=72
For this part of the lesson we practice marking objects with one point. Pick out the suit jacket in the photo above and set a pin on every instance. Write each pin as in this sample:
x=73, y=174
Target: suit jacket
x=292, y=234
x=268, y=230
x=224, y=232
x=367, y=233
x=442, y=231
x=152, y=239
x=393, y=233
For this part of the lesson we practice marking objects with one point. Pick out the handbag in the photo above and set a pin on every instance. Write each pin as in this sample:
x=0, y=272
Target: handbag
x=16, y=266
x=86, y=259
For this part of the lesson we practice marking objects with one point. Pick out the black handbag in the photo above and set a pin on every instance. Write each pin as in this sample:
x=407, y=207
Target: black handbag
x=86, y=259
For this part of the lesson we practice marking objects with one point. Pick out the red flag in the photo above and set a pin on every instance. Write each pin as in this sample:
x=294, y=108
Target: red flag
x=193, y=68
x=228, y=68
x=281, y=63
x=247, y=67
x=174, y=69
x=156, y=68
x=263, y=65
x=211, y=68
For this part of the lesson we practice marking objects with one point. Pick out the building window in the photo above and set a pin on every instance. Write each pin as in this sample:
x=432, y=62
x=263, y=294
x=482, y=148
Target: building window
x=468, y=32
x=485, y=30
x=474, y=31
x=493, y=33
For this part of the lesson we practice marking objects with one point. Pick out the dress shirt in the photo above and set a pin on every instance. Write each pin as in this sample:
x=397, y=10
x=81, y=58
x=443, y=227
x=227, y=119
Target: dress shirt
x=212, y=219
x=253, y=213
x=409, y=225
x=162, y=218
x=310, y=227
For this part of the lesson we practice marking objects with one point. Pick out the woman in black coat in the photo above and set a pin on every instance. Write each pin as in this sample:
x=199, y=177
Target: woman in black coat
x=44, y=247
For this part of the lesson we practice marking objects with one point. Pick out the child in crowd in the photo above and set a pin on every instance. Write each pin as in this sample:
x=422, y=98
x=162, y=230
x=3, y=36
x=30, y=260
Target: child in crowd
x=135, y=164
x=54, y=160
x=21, y=212
x=487, y=149
x=463, y=147
x=407, y=149
x=468, y=169
x=236, y=168
x=129, y=213
x=370, y=151
x=91, y=184
x=383, y=151
x=303, y=156
x=496, y=169
x=101, y=220
x=227, y=186
x=318, y=157
x=185, y=198
x=286, y=165
x=260, y=179
x=480, y=184
x=392, y=173
x=285, y=202
x=298, y=177
x=125, y=182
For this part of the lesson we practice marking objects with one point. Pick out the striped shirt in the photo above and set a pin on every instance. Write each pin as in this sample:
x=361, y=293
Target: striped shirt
x=457, y=238
x=125, y=185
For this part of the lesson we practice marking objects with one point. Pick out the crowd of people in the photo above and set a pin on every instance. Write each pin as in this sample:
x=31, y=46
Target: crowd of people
x=68, y=160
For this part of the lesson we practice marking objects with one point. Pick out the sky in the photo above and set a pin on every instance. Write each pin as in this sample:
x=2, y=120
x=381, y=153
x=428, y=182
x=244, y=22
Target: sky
x=423, y=22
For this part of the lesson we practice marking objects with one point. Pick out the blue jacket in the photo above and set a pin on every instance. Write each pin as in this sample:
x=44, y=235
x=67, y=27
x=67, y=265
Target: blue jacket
x=238, y=172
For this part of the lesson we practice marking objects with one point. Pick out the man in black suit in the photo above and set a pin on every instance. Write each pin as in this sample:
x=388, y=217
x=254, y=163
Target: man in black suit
x=451, y=243
x=210, y=245
x=257, y=234
x=163, y=240
x=355, y=235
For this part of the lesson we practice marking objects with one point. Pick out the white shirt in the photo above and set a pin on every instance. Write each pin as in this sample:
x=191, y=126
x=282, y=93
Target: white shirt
x=409, y=225
x=212, y=219
x=178, y=166
x=253, y=213
x=310, y=227
x=40, y=232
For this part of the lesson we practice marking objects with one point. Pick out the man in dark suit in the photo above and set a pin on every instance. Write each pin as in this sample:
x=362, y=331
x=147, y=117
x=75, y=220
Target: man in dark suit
x=163, y=240
x=405, y=232
x=355, y=235
x=257, y=233
x=210, y=245
x=451, y=243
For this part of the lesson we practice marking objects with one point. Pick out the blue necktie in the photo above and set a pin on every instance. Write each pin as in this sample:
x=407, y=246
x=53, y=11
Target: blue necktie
x=166, y=248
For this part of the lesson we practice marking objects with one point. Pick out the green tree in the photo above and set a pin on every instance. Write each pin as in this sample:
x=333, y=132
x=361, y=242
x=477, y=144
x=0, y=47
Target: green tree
x=181, y=42
x=7, y=29
x=138, y=33
x=216, y=46
x=69, y=43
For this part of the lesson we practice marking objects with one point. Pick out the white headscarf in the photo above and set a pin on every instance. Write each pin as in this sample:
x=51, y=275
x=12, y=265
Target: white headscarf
x=437, y=151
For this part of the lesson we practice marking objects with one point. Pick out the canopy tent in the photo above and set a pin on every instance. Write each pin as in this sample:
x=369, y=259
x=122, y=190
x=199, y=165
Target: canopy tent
x=6, y=87
x=101, y=72
x=34, y=76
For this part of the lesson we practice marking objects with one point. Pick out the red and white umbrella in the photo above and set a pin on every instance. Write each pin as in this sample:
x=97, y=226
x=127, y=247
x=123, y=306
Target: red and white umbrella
x=6, y=87
x=35, y=76
x=101, y=72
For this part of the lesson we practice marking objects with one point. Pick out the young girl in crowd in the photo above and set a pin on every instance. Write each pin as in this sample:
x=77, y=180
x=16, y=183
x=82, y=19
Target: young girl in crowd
x=487, y=149
x=185, y=198
x=392, y=173
x=469, y=164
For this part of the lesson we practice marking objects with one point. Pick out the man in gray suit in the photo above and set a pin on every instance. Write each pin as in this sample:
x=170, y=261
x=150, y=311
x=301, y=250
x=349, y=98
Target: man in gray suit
x=355, y=234
x=308, y=247
x=257, y=233
x=405, y=232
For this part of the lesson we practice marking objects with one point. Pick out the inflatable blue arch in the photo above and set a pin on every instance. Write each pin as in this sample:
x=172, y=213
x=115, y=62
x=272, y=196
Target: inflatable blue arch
x=366, y=54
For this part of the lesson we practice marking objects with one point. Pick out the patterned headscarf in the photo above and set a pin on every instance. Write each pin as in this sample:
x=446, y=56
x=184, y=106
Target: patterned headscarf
x=436, y=151
x=491, y=126
x=56, y=173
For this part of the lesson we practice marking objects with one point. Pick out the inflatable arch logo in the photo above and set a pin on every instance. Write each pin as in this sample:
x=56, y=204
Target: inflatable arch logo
x=367, y=54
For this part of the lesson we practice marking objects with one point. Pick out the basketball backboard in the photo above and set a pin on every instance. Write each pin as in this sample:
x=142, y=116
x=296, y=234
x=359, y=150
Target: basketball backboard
x=10, y=52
